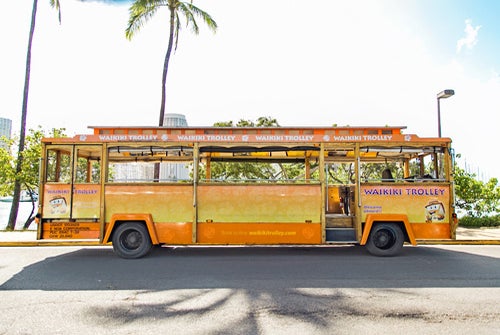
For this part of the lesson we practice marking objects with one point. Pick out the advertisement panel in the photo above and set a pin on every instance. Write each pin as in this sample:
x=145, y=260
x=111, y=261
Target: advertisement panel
x=57, y=201
x=421, y=203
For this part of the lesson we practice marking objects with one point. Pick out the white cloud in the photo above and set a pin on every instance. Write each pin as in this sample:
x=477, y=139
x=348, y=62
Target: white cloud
x=470, y=39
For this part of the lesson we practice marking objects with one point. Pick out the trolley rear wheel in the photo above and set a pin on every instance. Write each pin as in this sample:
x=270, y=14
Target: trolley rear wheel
x=386, y=239
x=131, y=240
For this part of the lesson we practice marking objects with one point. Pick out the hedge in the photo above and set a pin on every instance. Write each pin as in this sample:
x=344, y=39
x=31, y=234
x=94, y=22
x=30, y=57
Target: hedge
x=476, y=222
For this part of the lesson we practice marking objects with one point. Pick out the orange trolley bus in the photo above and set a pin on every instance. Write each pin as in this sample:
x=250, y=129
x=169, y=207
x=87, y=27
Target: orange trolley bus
x=136, y=187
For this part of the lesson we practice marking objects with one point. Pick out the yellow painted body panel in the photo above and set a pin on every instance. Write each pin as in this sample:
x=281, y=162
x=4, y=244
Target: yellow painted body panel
x=166, y=203
x=259, y=203
x=86, y=201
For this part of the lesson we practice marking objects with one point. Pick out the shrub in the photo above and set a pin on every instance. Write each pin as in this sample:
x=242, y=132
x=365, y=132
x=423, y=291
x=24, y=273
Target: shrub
x=476, y=222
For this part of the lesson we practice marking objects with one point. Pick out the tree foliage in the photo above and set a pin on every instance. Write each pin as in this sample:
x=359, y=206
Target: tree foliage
x=475, y=197
x=257, y=170
x=28, y=176
x=7, y=169
x=263, y=121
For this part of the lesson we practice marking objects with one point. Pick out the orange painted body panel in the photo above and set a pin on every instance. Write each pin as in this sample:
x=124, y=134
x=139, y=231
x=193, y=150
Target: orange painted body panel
x=259, y=233
x=425, y=231
x=174, y=233
x=372, y=218
x=126, y=217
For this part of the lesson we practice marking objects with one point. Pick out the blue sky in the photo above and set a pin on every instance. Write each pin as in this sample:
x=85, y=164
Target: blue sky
x=358, y=62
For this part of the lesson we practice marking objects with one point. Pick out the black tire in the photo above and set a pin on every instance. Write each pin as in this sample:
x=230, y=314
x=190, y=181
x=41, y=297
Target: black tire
x=386, y=239
x=131, y=240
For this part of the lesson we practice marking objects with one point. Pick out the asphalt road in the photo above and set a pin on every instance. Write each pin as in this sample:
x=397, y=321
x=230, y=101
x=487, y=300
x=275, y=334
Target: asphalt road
x=324, y=290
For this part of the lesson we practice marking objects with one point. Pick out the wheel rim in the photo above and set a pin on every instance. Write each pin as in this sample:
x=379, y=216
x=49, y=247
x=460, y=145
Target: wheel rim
x=384, y=238
x=131, y=239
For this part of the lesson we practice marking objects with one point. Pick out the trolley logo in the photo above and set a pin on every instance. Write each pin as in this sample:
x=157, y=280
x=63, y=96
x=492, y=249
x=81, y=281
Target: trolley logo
x=411, y=191
x=246, y=138
x=85, y=191
x=383, y=191
x=214, y=138
x=58, y=191
x=377, y=137
x=360, y=138
x=283, y=138
x=128, y=137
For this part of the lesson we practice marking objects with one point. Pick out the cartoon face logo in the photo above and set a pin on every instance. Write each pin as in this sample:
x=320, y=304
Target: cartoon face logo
x=434, y=211
x=308, y=233
x=58, y=205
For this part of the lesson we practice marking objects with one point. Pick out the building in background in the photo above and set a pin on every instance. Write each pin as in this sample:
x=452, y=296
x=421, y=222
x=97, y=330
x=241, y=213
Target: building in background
x=5, y=130
x=137, y=172
x=174, y=171
x=174, y=120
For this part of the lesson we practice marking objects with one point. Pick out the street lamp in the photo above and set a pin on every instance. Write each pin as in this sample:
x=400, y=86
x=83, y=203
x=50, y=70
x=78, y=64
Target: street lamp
x=442, y=95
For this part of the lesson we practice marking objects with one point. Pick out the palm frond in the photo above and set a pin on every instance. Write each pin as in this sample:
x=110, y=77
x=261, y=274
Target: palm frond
x=140, y=13
x=177, y=29
x=56, y=4
x=209, y=21
x=190, y=20
x=190, y=11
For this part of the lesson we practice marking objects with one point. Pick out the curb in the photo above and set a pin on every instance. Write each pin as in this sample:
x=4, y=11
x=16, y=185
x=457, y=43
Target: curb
x=96, y=243
x=51, y=244
x=458, y=242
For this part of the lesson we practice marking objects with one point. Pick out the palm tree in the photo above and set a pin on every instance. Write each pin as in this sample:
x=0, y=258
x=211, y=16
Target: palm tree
x=24, y=113
x=142, y=10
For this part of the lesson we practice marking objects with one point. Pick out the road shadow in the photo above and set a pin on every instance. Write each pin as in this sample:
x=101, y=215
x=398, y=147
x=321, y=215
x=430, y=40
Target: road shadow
x=247, y=310
x=257, y=268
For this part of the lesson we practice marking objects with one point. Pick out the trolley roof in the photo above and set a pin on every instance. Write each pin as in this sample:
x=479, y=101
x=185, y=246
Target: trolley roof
x=228, y=135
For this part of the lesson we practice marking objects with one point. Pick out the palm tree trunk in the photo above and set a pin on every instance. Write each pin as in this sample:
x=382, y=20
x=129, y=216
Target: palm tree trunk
x=165, y=66
x=31, y=217
x=164, y=82
x=22, y=136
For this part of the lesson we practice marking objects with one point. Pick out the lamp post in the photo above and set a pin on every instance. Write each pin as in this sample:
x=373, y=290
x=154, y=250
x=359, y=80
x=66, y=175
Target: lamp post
x=442, y=95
